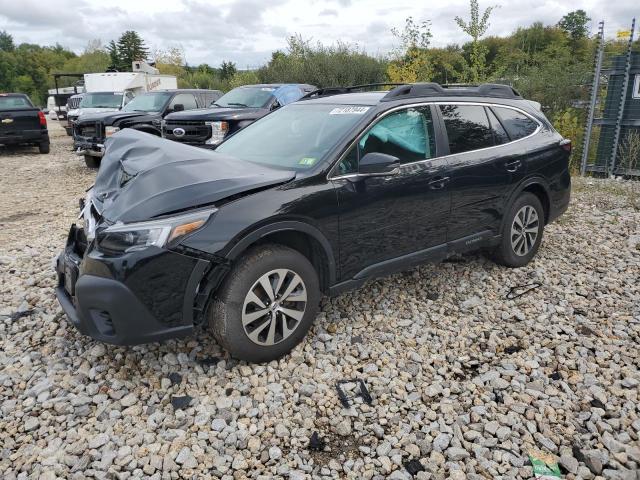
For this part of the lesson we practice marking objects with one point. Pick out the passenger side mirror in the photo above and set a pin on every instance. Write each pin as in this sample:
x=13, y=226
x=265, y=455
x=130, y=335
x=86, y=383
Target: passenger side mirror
x=378, y=164
x=178, y=107
x=275, y=105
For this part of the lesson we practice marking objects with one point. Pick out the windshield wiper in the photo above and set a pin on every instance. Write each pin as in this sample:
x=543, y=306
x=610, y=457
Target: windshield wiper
x=237, y=104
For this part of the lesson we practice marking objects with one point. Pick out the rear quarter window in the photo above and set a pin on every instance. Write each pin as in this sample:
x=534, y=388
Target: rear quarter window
x=517, y=124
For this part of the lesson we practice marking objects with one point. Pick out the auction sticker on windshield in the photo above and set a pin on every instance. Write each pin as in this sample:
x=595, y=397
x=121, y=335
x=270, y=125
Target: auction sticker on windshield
x=307, y=161
x=349, y=110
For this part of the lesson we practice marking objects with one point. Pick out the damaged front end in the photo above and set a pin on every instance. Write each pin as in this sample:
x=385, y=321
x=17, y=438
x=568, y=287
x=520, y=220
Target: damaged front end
x=124, y=277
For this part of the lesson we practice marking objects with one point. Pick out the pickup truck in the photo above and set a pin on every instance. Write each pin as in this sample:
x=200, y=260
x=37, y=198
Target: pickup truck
x=21, y=123
x=145, y=113
x=207, y=128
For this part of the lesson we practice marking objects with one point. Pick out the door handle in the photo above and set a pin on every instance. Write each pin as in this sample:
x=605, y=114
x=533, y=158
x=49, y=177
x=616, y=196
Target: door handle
x=513, y=166
x=438, y=182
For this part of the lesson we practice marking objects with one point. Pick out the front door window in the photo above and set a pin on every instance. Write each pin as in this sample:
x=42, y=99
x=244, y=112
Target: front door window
x=405, y=134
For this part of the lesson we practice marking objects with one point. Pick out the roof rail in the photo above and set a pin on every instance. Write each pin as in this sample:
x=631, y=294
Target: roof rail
x=432, y=89
x=328, y=91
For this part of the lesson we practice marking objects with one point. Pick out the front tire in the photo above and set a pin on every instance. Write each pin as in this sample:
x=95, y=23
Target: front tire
x=91, y=162
x=521, y=232
x=266, y=304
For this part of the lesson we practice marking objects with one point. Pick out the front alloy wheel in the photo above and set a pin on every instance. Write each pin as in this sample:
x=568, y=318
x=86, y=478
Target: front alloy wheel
x=266, y=304
x=274, y=307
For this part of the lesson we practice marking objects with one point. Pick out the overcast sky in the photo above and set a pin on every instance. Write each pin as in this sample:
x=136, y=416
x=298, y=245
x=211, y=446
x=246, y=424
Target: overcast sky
x=247, y=31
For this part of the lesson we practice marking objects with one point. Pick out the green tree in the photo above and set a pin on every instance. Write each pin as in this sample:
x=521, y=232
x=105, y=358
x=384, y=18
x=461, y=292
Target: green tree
x=6, y=42
x=476, y=27
x=575, y=24
x=323, y=66
x=448, y=64
x=130, y=48
x=114, y=56
x=228, y=70
x=412, y=59
x=8, y=71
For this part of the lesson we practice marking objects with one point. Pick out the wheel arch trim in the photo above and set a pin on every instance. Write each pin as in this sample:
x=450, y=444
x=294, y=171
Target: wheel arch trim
x=282, y=226
x=538, y=181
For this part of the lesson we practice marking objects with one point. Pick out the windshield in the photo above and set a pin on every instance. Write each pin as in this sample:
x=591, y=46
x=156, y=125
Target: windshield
x=297, y=136
x=148, y=102
x=255, y=97
x=101, y=100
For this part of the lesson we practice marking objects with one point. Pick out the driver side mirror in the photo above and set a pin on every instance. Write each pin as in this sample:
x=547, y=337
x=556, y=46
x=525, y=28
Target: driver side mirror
x=376, y=164
x=178, y=107
x=274, y=106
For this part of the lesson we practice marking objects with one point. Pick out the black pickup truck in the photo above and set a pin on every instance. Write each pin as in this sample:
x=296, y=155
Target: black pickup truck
x=235, y=110
x=144, y=113
x=21, y=123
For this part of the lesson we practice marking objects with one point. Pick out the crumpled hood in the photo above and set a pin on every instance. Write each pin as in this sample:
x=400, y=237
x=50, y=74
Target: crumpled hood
x=110, y=118
x=218, y=113
x=142, y=176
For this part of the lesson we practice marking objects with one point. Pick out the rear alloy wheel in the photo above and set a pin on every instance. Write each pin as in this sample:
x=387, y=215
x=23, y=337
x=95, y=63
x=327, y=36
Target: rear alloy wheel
x=266, y=304
x=522, y=232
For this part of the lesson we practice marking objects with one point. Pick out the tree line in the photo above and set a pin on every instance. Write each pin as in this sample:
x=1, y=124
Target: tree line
x=551, y=64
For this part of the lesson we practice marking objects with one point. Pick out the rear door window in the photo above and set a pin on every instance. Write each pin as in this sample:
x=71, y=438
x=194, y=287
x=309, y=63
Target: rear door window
x=467, y=127
x=517, y=124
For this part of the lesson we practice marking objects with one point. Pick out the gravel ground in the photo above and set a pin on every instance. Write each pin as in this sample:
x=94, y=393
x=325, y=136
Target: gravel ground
x=463, y=381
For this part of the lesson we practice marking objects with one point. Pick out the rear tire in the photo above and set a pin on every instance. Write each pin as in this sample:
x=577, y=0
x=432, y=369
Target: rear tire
x=267, y=327
x=44, y=147
x=522, y=231
x=91, y=162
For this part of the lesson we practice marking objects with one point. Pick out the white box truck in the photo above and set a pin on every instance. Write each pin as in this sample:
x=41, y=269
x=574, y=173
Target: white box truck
x=110, y=91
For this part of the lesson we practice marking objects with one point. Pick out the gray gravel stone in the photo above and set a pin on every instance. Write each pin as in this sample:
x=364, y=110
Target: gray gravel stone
x=431, y=345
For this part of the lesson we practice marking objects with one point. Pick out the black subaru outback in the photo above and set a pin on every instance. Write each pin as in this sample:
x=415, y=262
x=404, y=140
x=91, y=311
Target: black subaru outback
x=313, y=199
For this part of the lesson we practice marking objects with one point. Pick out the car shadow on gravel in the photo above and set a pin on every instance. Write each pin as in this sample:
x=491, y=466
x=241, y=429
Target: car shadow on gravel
x=18, y=150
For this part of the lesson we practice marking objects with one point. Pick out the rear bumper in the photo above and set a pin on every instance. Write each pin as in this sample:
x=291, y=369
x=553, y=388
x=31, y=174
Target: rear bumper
x=25, y=136
x=560, y=197
x=131, y=299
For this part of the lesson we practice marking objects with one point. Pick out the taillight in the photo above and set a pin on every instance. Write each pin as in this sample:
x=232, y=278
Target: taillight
x=43, y=119
x=565, y=143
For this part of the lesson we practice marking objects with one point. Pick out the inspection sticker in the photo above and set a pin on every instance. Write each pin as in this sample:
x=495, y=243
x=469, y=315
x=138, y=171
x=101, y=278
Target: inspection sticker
x=307, y=161
x=349, y=110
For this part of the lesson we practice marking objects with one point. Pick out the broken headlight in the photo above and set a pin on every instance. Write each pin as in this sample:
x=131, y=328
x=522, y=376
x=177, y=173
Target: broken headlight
x=130, y=237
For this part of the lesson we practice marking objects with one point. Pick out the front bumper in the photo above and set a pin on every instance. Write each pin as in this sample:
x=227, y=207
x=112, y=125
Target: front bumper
x=129, y=299
x=83, y=147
